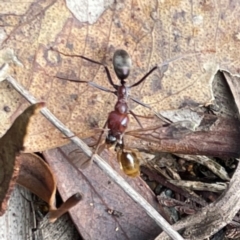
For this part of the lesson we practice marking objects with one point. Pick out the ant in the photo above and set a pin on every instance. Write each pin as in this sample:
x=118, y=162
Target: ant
x=117, y=121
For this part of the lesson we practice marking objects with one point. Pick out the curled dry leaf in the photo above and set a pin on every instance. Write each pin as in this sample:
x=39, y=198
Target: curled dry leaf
x=10, y=145
x=67, y=205
x=37, y=177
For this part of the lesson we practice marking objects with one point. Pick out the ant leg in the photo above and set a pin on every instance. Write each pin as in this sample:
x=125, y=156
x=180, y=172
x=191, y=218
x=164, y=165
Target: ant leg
x=163, y=67
x=141, y=103
x=92, y=84
x=144, y=77
x=135, y=117
x=106, y=70
x=147, y=106
x=67, y=79
x=71, y=80
x=88, y=162
x=92, y=61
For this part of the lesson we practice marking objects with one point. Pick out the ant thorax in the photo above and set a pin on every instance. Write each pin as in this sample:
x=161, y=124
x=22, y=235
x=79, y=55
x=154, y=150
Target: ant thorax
x=122, y=92
x=122, y=103
x=117, y=124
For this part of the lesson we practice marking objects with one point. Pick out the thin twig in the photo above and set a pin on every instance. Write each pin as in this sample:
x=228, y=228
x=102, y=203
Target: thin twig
x=100, y=163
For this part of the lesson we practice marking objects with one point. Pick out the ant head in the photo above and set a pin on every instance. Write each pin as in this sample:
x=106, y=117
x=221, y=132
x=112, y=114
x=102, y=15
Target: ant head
x=122, y=64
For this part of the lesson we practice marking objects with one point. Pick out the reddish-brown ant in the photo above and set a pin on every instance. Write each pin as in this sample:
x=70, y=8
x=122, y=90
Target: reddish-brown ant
x=118, y=119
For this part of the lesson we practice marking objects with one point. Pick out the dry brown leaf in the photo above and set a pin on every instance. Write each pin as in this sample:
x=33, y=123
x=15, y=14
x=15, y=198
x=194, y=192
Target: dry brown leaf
x=106, y=212
x=152, y=32
x=10, y=145
x=37, y=177
x=54, y=214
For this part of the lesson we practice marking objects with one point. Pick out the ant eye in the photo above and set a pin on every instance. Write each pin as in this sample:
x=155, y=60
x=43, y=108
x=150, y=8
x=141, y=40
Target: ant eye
x=122, y=64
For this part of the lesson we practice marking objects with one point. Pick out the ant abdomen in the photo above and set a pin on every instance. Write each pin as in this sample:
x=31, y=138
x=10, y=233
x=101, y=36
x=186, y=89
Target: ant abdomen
x=129, y=162
x=122, y=64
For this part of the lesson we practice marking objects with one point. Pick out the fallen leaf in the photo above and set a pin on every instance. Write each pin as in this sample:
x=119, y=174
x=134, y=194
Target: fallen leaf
x=93, y=216
x=10, y=145
x=23, y=218
x=202, y=37
x=37, y=177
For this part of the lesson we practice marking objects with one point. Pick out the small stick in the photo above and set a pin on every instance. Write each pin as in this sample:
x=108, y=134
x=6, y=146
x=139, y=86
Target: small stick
x=101, y=164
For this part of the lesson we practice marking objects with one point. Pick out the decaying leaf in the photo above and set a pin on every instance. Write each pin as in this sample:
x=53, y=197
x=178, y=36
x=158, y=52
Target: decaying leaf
x=184, y=115
x=54, y=214
x=36, y=176
x=24, y=219
x=100, y=194
x=203, y=36
x=10, y=145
